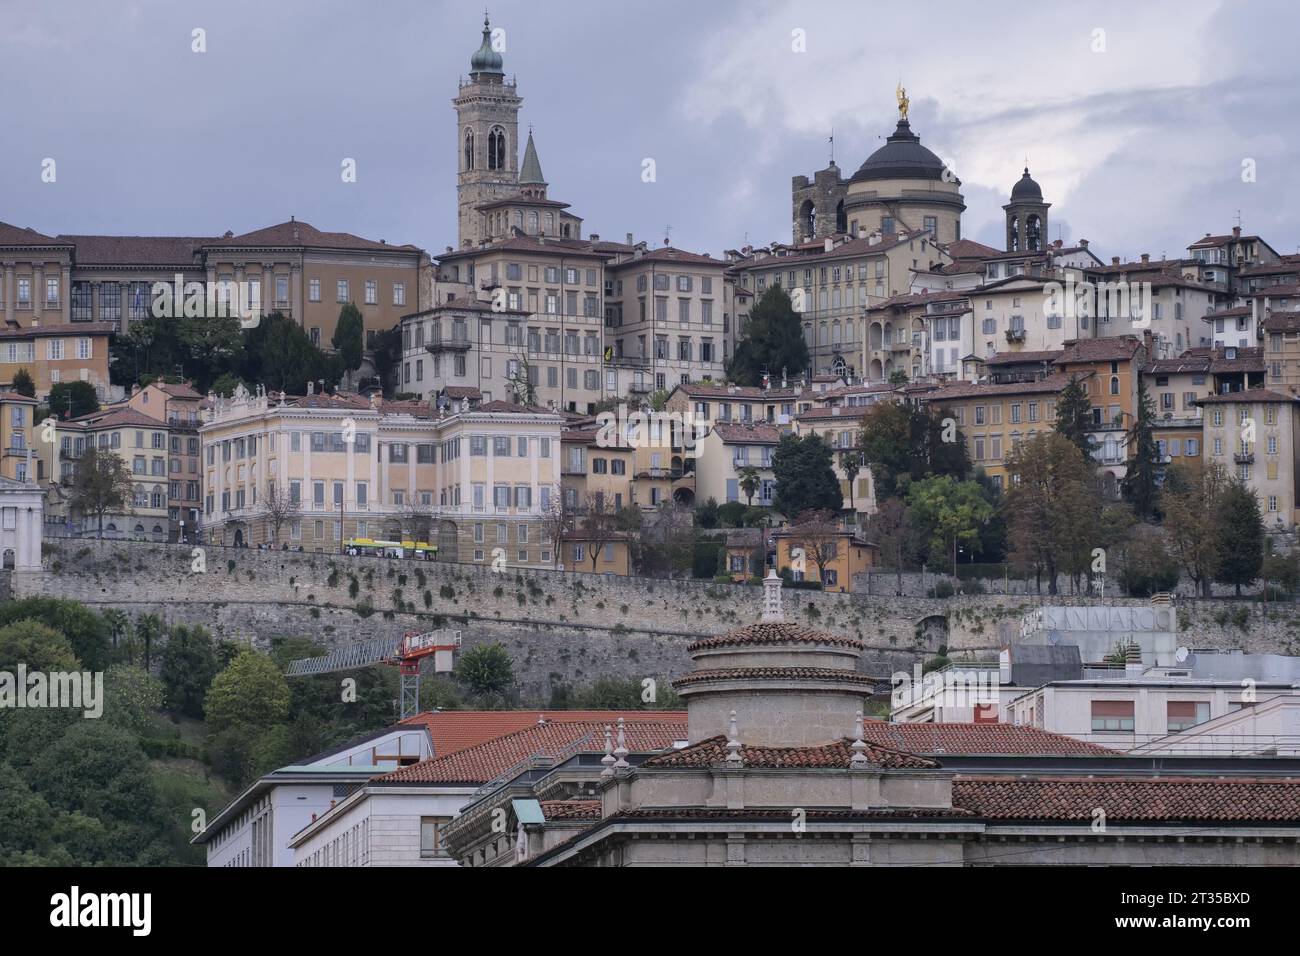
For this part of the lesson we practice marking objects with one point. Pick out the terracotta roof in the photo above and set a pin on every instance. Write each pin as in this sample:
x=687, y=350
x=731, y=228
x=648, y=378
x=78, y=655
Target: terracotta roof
x=571, y=809
x=917, y=298
x=26, y=236
x=138, y=250
x=1249, y=359
x=1280, y=290
x=958, y=738
x=769, y=813
x=1167, y=801
x=747, y=434
x=1051, y=384
x=67, y=329
x=740, y=392
x=711, y=752
x=500, y=405
x=463, y=391
x=454, y=730
x=178, y=389
x=1286, y=263
x=829, y=674
x=1282, y=322
x=1193, y=364
x=547, y=245
x=335, y=400
x=15, y=397
x=774, y=632
x=669, y=254
x=1112, y=349
x=1210, y=241
x=1234, y=313
x=814, y=251
x=296, y=233
x=1248, y=395
x=645, y=732
x=970, y=249
x=114, y=417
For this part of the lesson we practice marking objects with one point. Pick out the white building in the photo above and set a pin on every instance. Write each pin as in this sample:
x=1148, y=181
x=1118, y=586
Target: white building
x=256, y=829
x=21, y=523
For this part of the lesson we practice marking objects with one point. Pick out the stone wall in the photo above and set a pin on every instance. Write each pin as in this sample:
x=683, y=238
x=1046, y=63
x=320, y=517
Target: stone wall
x=558, y=626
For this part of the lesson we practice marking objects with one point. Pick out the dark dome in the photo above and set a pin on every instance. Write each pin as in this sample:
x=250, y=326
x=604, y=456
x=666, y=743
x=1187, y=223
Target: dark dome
x=486, y=59
x=1026, y=188
x=902, y=157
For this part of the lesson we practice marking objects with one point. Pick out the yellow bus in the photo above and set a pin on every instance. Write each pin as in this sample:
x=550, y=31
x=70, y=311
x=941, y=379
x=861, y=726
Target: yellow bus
x=378, y=548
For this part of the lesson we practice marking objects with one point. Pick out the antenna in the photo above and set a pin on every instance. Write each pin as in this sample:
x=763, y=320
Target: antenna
x=404, y=654
x=668, y=231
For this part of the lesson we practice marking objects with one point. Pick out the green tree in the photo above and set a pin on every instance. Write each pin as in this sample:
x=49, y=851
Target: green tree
x=1141, y=485
x=23, y=384
x=225, y=384
x=37, y=645
x=188, y=665
x=773, y=342
x=1190, y=502
x=889, y=529
x=851, y=464
x=213, y=345
x=1242, y=537
x=805, y=480
x=486, y=669
x=349, y=337
x=101, y=484
x=1148, y=567
x=249, y=692
x=749, y=482
x=1074, y=416
x=72, y=399
x=279, y=354
x=132, y=697
x=948, y=513
x=706, y=515
x=901, y=442
x=87, y=633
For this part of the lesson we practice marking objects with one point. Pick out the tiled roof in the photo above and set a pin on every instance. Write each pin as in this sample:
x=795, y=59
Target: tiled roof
x=774, y=632
x=15, y=397
x=1286, y=263
x=811, y=252
x=958, y=738
x=1277, y=291
x=571, y=809
x=770, y=813
x=335, y=400
x=1210, y=241
x=178, y=389
x=908, y=299
x=970, y=249
x=26, y=236
x=669, y=254
x=711, y=752
x=1282, y=322
x=454, y=730
x=750, y=674
x=1249, y=359
x=747, y=434
x=1051, y=384
x=740, y=392
x=1248, y=395
x=1166, y=801
x=61, y=330
x=1113, y=349
x=1185, y=364
x=304, y=234
x=138, y=250
x=114, y=418
x=547, y=245
x=500, y=405
x=846, y=413
x=644, y=731
x=470, y=392
x=1234, y=313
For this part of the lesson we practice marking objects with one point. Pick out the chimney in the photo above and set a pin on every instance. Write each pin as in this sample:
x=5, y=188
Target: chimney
x=1146, y=257
x=310, y=387
x=1114, y=260
x=1236, y=232
x=629, y=239
x=1083, y=243
x=595, y=237
x=829, y=244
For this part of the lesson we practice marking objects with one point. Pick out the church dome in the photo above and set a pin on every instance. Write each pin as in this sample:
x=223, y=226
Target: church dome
x=902, y=157
x=486, y=59
x=1026, y=189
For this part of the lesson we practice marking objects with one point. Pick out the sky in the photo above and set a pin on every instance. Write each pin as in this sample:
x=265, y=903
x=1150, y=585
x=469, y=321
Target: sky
x=1142, y=122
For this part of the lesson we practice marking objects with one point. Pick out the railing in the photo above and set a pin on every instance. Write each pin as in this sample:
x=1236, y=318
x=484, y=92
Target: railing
x=1246, y=458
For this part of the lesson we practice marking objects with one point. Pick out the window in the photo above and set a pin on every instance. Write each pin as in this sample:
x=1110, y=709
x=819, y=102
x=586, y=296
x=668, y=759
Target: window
x=1112, y=716
x=341, y=294
x=313, y=290
x=372, y=292
x=1184, y=714
x=431, y=837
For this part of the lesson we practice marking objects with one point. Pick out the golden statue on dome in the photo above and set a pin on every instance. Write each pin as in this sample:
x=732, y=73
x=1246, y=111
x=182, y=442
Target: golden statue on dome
x=902, y=101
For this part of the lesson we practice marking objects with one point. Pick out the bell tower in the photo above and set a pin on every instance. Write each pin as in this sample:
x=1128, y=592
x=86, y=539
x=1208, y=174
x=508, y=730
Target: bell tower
x=1026, y=217
x=487, y=138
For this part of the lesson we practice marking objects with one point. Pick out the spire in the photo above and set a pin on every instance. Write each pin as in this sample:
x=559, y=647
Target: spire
x=485, y=58
x=772, y=610
x=531, y=172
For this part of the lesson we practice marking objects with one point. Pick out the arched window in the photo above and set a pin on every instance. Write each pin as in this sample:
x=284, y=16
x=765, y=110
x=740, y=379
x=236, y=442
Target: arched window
x=1013, y=235
x=1114, y=384
x=808, y=218
x=532, y=222
x=841, y=220
x=497, y=148
x=1033, y=234
x=469, y=149
x=550, y=223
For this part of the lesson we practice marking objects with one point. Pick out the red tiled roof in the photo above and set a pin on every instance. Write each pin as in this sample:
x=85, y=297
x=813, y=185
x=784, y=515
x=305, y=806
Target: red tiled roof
x=15, y=397
x=1015, y=358
x=1053, y=383
x=711, y=752
x=670, y=254
x=303, y=234
x=907, y=299
x=645, y=732
x=1113, y=349
x=828, y=674
x=1167, y=800
x=1210, y=241
x=114, y=418
x=741, y=392
x=454, y=730
x=571, y=809
x=69, y=330
x=957, y=738
x=733, y=433
x=500, y=405
x=470, y=392
x=178, y=390
x=813, y=251
x=1282, y=322
x=774, y=632
x=970, y=249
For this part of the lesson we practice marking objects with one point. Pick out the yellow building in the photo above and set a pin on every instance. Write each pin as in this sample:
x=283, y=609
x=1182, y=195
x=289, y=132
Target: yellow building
x=847, y=554
x=179, y=407
x=18, y=440
x=52, y=354
x=611, y=552
x=1254, y=435
x=477, y=482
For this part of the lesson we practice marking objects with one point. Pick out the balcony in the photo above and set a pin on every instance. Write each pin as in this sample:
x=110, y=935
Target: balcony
x=453, y=344
x=641, y=387
x=1015, y=335
x=1244, y=458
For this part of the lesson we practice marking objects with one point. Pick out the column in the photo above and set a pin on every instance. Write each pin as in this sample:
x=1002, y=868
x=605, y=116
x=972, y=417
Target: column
x=65, y=293
x=295, y=294
x=38, y=293
x=10, y=291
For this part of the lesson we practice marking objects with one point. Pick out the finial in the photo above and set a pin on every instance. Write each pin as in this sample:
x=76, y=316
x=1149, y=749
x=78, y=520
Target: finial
x=621, y=750
x=608, y=760
x=902, y=101
x=733, y=744
x=772, y=609
x=859, y=747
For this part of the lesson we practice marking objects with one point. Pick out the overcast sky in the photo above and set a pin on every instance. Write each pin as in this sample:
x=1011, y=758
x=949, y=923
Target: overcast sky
x=1139, y=147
